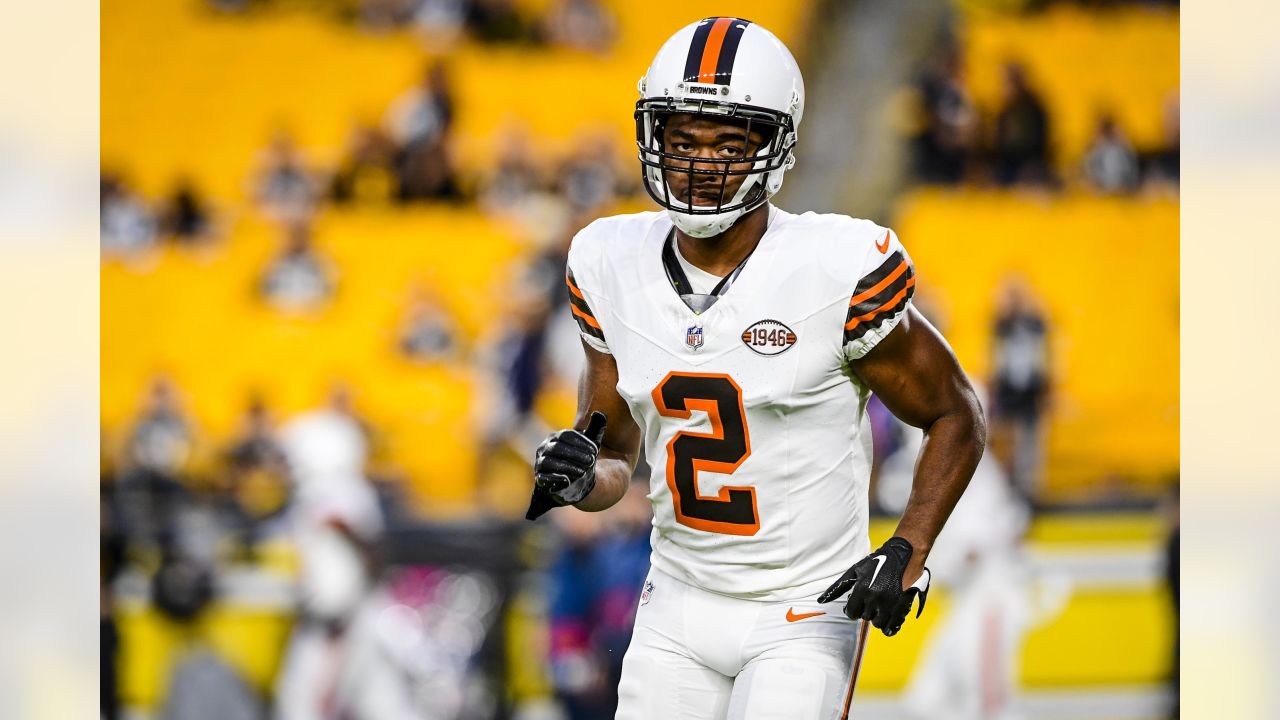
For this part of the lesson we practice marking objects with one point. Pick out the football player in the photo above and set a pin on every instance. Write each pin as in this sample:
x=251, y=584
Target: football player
x=740, y=343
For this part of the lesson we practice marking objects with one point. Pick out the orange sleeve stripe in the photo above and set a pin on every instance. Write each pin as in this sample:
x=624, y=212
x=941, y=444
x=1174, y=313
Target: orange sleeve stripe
x=589, y=320
x=893, y=303
x=711, y=53
x=897, y=272
x=573, y=288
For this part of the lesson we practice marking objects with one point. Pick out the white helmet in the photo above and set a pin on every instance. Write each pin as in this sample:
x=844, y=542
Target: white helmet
x=727, y=67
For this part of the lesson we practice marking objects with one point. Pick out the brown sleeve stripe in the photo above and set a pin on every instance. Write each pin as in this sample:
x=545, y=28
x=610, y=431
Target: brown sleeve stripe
x=879, y=296
x=573, y=286
x=861, y=325
x=882, y=298
x=873, y=278
x=584, y=318
x=871, y=292
x=576, y=298
x=581, y=310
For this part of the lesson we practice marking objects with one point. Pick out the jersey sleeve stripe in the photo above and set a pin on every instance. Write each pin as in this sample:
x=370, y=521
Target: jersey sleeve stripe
x=580, y=307
x=859, y=326
x=581, y=304
x=880, y=273
x=882, y=297
x=871, y=292
x=581, y=310
x=573, y=285
x=583, y=317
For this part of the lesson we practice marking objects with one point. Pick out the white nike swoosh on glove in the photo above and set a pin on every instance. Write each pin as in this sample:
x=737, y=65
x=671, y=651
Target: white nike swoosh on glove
x=879, y=560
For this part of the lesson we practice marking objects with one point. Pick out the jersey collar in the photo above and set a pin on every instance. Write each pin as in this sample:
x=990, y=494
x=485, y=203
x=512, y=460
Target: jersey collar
x=698, y=302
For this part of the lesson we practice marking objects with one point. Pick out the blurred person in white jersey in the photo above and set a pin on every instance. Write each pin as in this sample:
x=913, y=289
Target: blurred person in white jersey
x=741, y=342
x=969, y=667
x=334, y=665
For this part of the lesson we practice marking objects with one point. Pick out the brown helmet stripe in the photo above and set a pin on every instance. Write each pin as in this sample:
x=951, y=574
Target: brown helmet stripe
x=729, y=50
x=711, y=53
x=713, y=49
x=693, y=61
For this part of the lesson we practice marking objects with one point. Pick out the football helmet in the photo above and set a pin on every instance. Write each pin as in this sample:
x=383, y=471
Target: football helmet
x=728, y=68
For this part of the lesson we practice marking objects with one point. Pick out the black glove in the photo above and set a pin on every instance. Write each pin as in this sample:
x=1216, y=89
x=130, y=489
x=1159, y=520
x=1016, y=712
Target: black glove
x=875, y=589
x=564, y=468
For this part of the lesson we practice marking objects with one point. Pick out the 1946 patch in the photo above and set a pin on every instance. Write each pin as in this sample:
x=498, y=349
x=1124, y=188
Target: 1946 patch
x=768, y=337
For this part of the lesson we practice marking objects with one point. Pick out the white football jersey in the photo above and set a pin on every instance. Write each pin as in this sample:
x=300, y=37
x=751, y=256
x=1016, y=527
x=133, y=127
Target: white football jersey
x=753, y=423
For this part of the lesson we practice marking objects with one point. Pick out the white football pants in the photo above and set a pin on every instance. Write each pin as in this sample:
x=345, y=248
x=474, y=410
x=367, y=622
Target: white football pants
x=702, y=656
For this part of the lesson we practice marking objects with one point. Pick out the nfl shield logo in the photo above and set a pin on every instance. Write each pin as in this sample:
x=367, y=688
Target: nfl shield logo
x=693, y=337
x=646, y=593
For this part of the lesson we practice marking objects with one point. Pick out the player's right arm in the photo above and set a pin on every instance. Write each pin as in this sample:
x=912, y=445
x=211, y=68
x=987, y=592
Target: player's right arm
x=620, y=446
x=590, y=464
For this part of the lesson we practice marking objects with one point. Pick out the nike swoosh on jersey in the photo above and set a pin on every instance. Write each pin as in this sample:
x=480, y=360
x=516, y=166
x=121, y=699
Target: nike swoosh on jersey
x=792, y=616
x=883, y=245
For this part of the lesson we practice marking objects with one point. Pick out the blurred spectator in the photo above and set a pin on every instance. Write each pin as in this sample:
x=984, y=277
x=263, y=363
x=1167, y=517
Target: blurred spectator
x=149, y=493
x=127, y=224
x=284, y=186
x=1162, y=165
x=517, y=369
x=1021, y=383
x=256, y=476
x=1021, y=142
x=581, y=25
x=420, y=122
x=520, y=353
x=595, y=582
x=515, y=177
x=428, y=333
x=425, y=113
x=1110, y=165
x=380, y=15
x=588, y=178
x=255, y=444
x=297, y=278
x=186, y=216
x=161, y=440
x=946, y=142
x=441, y=23
x=366, y=174
x=498, y=21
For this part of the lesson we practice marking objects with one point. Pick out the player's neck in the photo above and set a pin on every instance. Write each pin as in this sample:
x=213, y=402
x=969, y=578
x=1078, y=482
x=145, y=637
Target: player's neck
x=720, y=254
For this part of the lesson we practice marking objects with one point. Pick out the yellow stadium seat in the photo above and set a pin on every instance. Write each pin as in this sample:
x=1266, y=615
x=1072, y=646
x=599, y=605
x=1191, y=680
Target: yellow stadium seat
x=1122, y=60
x=1107, y=270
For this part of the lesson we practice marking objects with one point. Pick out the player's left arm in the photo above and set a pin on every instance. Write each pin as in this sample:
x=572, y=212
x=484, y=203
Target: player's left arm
x=918, y=378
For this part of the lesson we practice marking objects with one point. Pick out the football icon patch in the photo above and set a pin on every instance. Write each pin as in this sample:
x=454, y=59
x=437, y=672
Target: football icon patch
x=768, y=337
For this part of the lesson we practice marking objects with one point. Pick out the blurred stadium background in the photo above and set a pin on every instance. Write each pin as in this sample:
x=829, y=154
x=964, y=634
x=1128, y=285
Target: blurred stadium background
x=333, y=328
